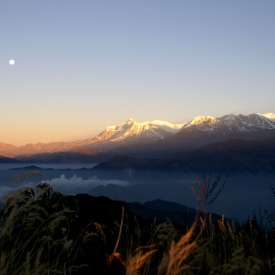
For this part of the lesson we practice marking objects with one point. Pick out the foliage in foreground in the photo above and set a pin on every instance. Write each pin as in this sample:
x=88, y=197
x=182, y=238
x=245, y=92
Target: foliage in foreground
x=44, y=232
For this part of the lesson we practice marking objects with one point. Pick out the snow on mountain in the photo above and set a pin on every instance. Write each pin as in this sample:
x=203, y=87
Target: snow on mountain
x=199, y=120
x=153, y=130
x=234, y=123
x=204, y=123
x=270, y=116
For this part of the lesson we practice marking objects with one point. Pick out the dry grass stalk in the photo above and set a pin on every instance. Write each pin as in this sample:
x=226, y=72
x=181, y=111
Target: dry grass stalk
x=137, y=262
x=120, y=229
x=179, y=251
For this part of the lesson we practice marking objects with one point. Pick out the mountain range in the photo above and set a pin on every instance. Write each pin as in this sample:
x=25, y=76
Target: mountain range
x=157, y=139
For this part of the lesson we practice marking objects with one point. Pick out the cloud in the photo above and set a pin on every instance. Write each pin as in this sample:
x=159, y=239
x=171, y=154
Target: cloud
x=77, y=184
x=66, y=185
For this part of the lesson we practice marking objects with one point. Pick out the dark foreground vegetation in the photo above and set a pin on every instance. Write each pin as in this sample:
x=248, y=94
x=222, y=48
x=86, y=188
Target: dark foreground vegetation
x=44, y=232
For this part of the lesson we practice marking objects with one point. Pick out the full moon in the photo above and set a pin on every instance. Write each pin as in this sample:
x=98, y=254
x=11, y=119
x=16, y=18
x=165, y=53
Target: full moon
x=11, y=62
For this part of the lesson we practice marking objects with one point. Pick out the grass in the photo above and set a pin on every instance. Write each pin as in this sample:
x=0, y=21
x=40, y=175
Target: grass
x=43, y=232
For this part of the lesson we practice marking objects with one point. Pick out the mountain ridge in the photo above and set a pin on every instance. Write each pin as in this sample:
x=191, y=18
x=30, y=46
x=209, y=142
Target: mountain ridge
x=200, y=130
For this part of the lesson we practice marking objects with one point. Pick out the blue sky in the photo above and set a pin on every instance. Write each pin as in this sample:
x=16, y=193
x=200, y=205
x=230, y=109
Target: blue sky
x=82, y=65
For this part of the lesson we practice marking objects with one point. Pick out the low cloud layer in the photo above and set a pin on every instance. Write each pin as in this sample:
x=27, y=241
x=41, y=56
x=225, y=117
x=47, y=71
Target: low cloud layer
x=77, y=184
x=65, y=184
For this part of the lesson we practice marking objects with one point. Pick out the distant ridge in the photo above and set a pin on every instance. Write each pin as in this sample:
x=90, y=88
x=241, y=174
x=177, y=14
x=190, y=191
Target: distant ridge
x=30, y=167
x=8, y=160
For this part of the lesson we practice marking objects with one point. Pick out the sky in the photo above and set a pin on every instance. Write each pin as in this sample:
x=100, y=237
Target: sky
x=82, y=65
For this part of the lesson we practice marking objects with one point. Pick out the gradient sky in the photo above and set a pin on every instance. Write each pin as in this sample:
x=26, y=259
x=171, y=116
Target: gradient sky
x=82, y=65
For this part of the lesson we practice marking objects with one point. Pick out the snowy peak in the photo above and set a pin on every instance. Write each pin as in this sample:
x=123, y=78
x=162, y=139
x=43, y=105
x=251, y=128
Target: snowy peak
x=199, y=120
x=158, y=129
x=234, y=123
x=270, y=116
x=153, y=130
x=203, y=123
x=252, y=122
x=227, y=126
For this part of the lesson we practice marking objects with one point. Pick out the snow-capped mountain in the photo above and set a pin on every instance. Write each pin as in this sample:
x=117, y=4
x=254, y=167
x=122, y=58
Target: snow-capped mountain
x=234, y=123
x=199, y=131
x=131, y=129
x=160, y=130
x=158, y=136
x=203, y=130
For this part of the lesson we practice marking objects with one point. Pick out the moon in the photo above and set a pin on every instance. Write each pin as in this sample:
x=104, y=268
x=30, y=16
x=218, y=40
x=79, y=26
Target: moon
x=12, y=62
